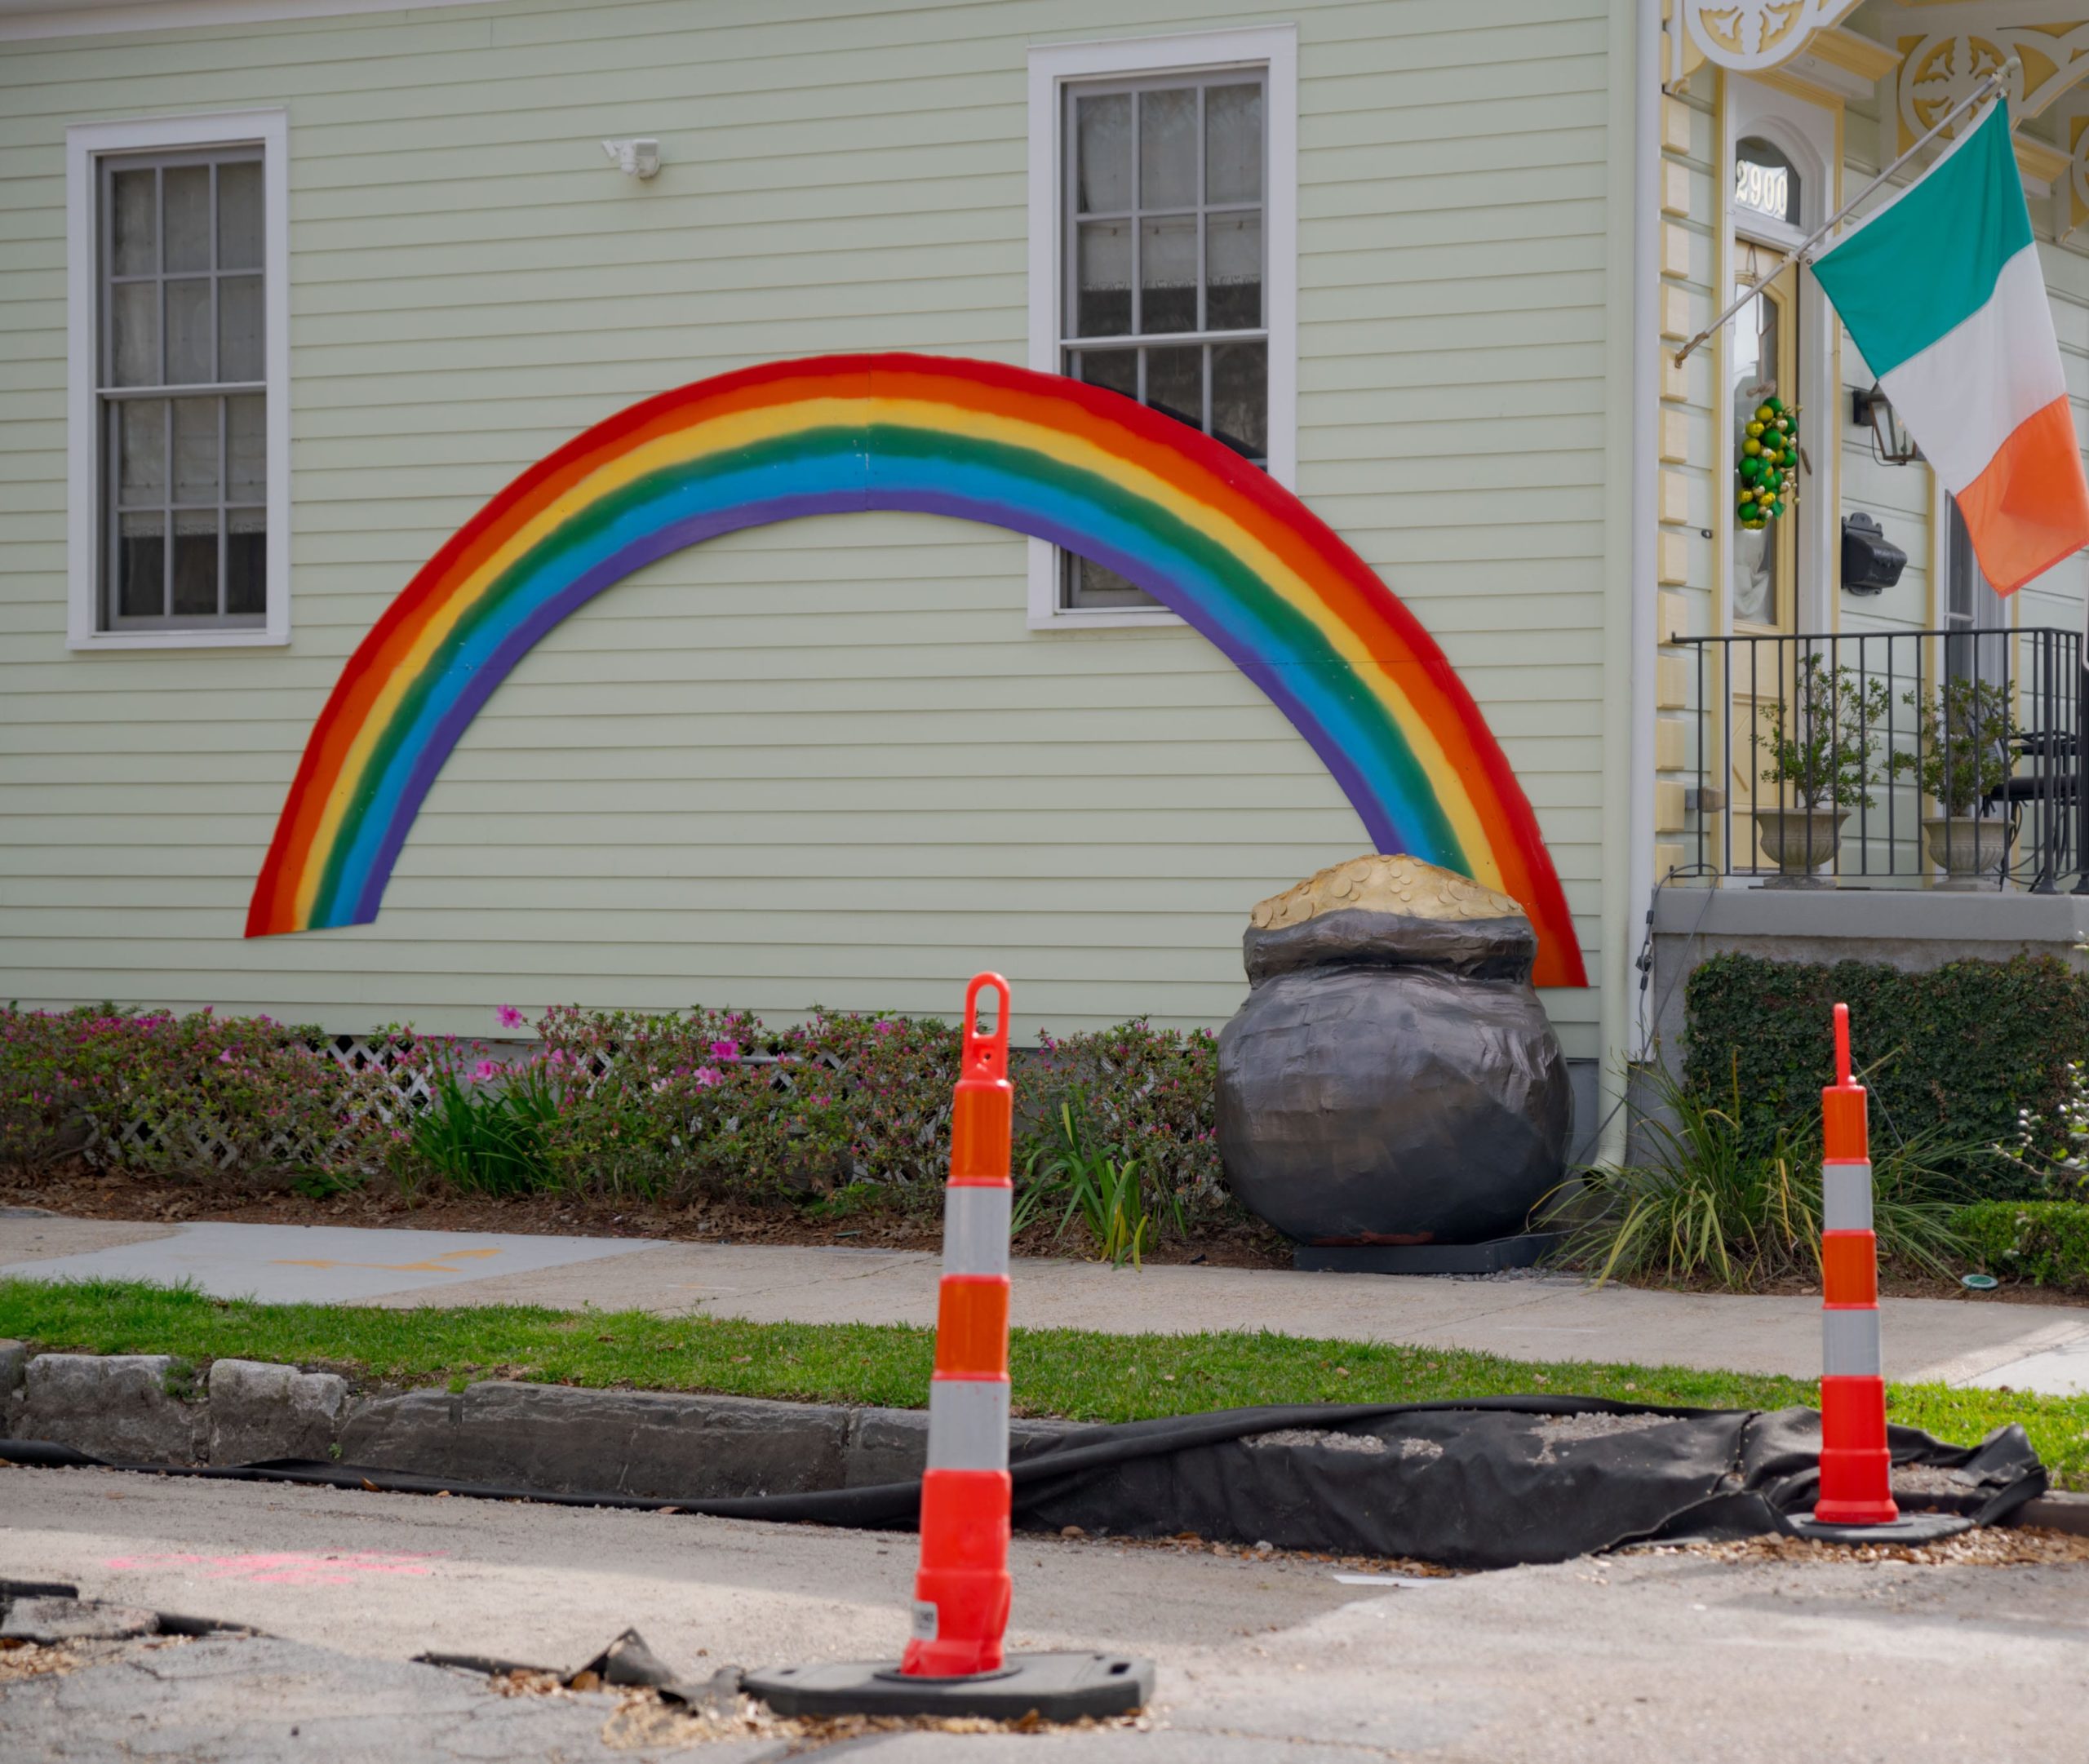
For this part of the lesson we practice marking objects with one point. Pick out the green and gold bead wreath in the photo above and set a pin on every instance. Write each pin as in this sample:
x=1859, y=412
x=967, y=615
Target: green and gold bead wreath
x=1765, y=473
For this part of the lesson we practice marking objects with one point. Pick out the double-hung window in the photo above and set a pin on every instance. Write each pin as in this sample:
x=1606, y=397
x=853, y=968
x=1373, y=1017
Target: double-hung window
x=1165, y=181
x=1171, y=276
x=178, y=483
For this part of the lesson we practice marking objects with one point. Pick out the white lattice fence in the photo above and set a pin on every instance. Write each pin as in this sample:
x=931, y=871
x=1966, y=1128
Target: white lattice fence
x=393, y=1090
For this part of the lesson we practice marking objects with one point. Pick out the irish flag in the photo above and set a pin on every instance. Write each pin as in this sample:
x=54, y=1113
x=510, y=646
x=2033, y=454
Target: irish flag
x=1942, y=293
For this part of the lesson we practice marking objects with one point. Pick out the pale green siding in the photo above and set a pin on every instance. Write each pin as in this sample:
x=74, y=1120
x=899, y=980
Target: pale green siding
x=826, y=763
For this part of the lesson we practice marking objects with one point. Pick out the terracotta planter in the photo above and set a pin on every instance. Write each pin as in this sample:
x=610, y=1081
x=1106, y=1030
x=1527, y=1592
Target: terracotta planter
x=1969, y=849
x=1392, y=1078
x=1799, y=842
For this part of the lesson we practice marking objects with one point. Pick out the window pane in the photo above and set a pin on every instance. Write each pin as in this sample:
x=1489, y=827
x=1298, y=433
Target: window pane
x=1092, y=585
x=1168, y=274
x=239, y=328
x=1175, y=383
x=1765, y=180
x=246, y=560
x=1103, y=305
x=1752, y=341
x=1233, y=143
x=135, y=224
x=188, y=332
x=239, y=215
x=246, y=447
x=186, y=195
x=1116, y=370
x=134, y=319
x=141, y=566
x=196, y=563
x=141, y=451
x=1167, y=149
x=1240, y=398
x=1103, y=143
x=1233, y=270
x=196, y=450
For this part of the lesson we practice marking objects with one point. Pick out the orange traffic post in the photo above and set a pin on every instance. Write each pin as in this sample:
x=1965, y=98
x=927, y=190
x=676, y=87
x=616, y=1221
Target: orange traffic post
x=1855, y=1499
x=953, y=1664
x=1856, y=1469
x=961, y=1594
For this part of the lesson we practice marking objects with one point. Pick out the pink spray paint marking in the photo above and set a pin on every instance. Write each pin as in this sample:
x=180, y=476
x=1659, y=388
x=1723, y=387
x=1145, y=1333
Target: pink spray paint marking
x=289, y=1568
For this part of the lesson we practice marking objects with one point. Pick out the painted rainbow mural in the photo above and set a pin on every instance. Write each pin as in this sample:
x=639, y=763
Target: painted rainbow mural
x=1215, y=539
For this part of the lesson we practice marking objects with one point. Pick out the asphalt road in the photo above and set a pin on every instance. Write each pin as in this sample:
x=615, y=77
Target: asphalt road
x=1639, y=1658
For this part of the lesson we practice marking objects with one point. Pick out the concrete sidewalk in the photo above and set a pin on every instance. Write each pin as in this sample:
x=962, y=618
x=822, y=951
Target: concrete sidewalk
x=1973, y=1341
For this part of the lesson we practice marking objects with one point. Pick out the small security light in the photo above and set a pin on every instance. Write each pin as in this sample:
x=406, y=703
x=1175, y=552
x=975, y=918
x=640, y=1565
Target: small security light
x=637, y=159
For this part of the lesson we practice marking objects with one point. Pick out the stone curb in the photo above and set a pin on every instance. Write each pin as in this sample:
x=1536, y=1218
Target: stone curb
x=143, y=1408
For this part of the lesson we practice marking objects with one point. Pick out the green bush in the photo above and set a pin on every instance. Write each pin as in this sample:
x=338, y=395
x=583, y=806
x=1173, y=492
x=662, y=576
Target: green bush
x=1704, y=1205
x=1959, y=1052
x=839, y=1111
x=2045, y=1242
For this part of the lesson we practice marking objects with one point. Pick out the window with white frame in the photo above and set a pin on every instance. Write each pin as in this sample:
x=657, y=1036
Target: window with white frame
x=1163, y=224
x=179, y=482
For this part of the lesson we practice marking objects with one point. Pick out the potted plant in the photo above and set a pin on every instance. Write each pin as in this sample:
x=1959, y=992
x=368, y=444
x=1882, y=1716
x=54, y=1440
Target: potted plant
x=1820, y=741
x=1967, y=731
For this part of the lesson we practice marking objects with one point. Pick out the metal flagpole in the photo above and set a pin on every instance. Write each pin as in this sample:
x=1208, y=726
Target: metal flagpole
x=1979, y=94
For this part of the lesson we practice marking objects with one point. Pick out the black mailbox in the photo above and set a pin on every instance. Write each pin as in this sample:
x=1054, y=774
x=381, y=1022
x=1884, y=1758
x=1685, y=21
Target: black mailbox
x=1871, y=561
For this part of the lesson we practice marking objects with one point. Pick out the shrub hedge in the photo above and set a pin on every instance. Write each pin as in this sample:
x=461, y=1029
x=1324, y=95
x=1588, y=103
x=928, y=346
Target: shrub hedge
x=166, y=1095
x=1956, y=1053
x=670, y=1105
x=2045, y=1242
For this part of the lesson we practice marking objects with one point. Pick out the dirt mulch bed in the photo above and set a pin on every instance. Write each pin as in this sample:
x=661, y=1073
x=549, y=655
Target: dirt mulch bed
x=79, y=1192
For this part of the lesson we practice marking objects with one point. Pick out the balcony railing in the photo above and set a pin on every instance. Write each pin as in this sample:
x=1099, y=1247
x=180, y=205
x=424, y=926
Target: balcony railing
x=1903, y=759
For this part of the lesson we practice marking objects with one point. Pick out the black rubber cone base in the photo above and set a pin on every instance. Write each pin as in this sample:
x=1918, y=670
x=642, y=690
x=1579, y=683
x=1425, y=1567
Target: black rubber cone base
x=1910, y=1528
x=1052, y=1686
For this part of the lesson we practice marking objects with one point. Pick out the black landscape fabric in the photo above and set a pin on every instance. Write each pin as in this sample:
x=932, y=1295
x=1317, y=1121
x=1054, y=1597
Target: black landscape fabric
x=1488, y=1483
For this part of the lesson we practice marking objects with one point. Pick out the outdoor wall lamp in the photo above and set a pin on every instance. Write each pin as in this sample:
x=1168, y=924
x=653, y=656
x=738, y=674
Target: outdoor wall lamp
x=637, y=159
x=1872, y=563
x=1892, y=444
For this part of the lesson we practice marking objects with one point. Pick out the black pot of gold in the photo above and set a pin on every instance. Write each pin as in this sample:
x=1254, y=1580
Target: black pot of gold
x=1392, y=1079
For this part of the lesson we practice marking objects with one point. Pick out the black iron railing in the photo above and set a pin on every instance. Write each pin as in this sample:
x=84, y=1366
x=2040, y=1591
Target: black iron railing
x=1886, y=759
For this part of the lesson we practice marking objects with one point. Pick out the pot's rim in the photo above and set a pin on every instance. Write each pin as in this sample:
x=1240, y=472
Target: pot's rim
x=1774, y=815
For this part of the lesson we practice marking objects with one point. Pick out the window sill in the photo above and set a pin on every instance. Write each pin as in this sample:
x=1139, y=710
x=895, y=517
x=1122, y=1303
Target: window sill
x=179, y=640
x=1105, y=619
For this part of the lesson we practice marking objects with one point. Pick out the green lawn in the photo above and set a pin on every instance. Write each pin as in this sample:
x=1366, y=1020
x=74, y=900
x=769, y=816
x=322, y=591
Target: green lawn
x=1067, y=1372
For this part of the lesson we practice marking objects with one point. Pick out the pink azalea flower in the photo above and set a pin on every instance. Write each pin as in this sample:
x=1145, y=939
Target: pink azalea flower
x=884, y=1025
x=510, y=1018
x=725, y=1052
x=225, y=1057
x=707, y=1075
x=485, y=1071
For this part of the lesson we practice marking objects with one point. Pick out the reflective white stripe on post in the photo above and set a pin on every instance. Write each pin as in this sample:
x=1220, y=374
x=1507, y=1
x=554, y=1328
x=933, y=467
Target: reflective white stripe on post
x=968, y=1423
x=976, y=1228
x=1849, y=1344
x=1846, y=1197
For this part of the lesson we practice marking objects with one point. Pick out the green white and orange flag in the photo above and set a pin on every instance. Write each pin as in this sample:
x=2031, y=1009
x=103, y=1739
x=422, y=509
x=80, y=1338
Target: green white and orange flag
x=1943, y=294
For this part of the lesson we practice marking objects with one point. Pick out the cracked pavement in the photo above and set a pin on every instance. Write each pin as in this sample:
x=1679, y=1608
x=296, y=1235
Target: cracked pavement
x=1641, y=1659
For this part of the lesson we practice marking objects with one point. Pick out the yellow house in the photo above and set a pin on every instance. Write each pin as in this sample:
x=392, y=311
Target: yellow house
x=296, y=288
